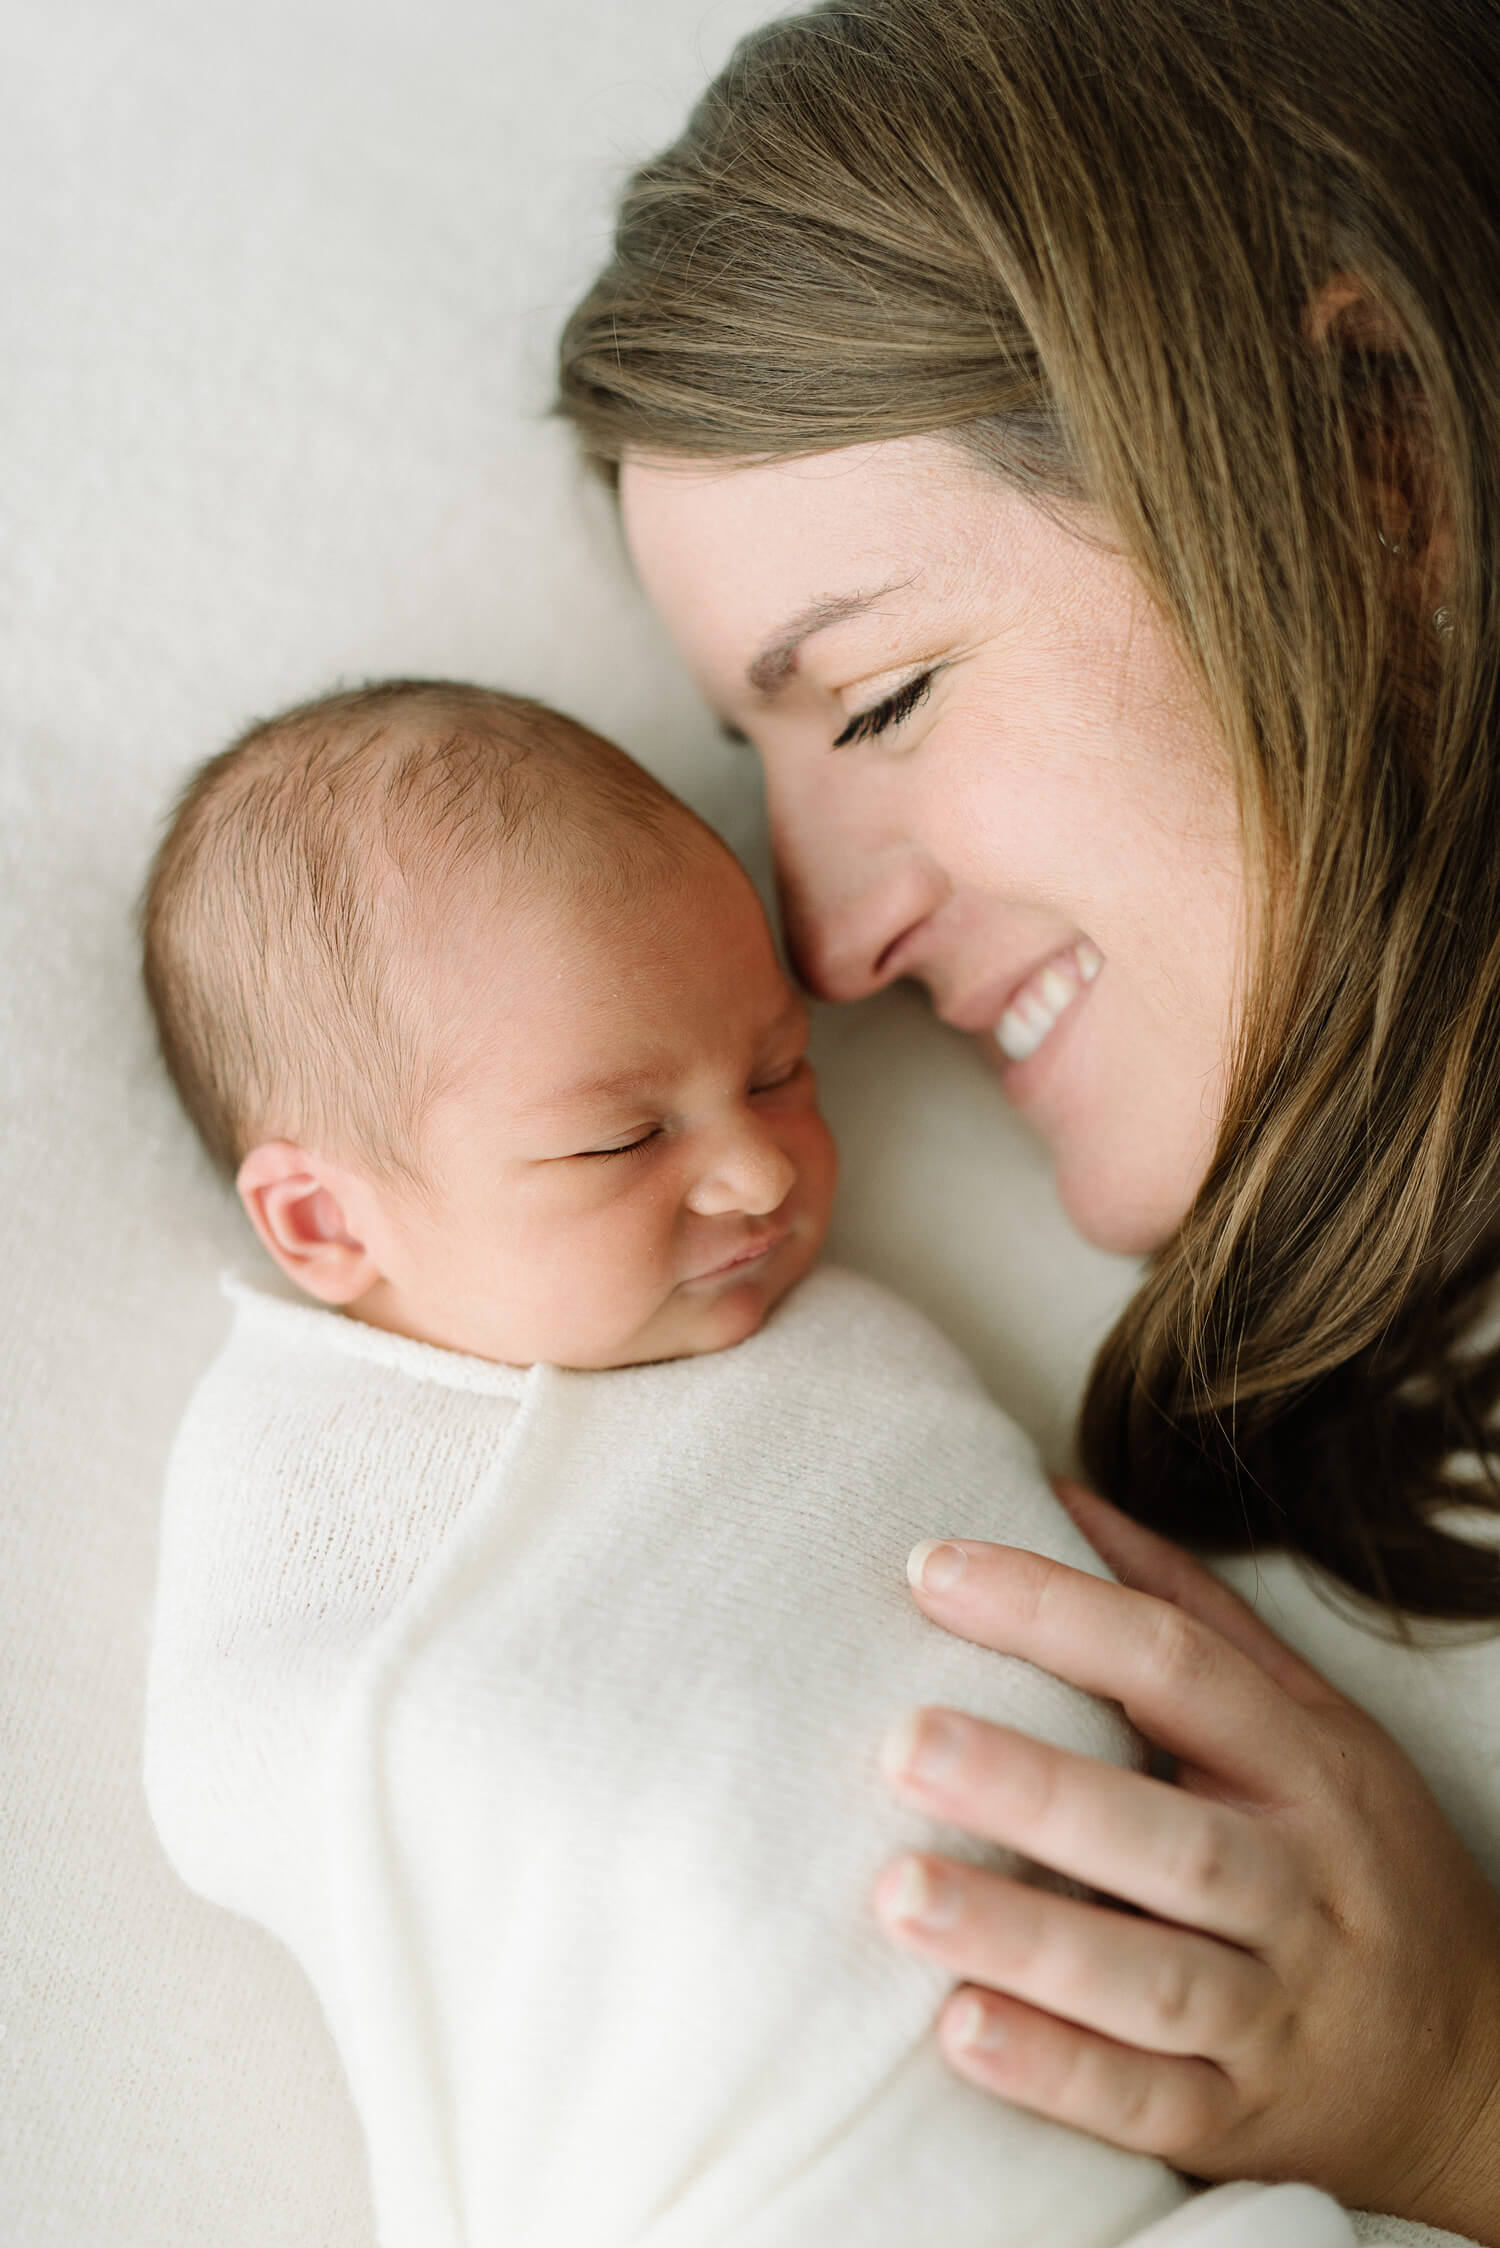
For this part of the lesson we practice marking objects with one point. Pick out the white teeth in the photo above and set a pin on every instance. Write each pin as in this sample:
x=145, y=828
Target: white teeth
x=1017, y=1039
x=1045, y=998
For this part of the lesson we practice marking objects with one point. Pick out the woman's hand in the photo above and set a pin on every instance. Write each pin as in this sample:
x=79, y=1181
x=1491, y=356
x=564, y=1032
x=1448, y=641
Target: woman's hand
x=1310, y=1984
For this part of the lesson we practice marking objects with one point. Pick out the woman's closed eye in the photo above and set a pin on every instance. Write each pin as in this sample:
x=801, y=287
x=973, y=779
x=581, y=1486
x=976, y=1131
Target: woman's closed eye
x=868, y=723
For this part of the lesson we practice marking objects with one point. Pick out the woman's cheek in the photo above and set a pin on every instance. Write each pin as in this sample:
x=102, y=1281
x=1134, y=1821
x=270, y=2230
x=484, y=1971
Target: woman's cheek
x=1131, y=1131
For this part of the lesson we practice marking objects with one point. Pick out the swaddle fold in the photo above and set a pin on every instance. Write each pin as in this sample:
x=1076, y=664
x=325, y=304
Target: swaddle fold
x=538, y=1712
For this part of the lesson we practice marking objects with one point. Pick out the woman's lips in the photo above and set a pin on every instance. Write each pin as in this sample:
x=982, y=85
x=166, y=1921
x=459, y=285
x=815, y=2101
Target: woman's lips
x=1037, y=1005
x=1019, y=1014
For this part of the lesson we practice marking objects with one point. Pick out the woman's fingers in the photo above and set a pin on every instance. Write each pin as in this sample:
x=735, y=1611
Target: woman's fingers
x=1148, y=1562
x=1179, y=1680
x=1199, y=1863
x=1164, y=1990
x=1317, y=1994
x=1148, y=2102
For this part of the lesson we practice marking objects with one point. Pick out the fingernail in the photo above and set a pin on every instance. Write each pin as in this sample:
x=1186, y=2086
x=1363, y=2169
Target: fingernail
x=973, y=2027
x=935, y=1565
x=926, y=1745
x=923, y=1893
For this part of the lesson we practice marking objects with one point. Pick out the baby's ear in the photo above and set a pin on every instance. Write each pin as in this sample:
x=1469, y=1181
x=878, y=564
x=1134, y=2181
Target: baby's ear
x=307, y=1211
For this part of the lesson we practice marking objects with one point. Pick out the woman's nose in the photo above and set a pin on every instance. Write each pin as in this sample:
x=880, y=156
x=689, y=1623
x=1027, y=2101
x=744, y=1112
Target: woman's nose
x=842, y=940
x=847, y=896
x=747, y=1172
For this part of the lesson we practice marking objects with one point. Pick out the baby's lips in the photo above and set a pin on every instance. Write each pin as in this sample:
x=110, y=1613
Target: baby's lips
x=761, y=1246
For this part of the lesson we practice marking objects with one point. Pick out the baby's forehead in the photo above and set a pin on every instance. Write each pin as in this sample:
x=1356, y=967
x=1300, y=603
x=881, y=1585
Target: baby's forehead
x=590, y=986
x=586, y=921
x=567, y=870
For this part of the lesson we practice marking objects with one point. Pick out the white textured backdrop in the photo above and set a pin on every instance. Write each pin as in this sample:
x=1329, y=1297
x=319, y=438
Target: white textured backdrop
x=278, y=290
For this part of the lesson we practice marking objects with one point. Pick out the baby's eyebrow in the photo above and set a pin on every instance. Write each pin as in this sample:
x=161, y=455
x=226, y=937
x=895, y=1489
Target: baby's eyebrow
x=618, y=1085
x=793, y=1016
x=644, y=1079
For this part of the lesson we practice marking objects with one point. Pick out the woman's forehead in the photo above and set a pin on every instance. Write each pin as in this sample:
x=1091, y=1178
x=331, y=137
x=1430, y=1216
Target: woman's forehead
x=872, y=489
x=912, y=536
x=746, y=561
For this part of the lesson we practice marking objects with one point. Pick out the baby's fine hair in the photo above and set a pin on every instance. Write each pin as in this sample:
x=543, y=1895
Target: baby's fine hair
x=307, y=870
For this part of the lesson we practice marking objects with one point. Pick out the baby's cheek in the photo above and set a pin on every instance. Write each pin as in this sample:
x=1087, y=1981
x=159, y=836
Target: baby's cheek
x=647, y=1268
x=817, y=1160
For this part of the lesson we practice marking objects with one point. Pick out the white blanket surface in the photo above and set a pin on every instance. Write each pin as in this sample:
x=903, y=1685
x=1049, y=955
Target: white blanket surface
x=537, y=1713
x=283, y=284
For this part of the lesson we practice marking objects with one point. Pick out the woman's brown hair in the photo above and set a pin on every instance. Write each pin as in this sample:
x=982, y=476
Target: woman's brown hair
x=1229, y=271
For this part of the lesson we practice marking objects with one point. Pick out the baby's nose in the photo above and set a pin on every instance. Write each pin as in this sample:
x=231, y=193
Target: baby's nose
x=747, y=1172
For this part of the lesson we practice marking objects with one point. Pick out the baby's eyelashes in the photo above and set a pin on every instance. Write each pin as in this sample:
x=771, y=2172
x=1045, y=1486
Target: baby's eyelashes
x=626, y=1147
x=791, y=1073
x=773, y=1081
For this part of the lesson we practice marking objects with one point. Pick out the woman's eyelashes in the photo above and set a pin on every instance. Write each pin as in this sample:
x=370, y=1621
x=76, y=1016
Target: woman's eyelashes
x=881, y=715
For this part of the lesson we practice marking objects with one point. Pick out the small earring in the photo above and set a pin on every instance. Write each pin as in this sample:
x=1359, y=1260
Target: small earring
x=1442, y=623
x=1392, y=546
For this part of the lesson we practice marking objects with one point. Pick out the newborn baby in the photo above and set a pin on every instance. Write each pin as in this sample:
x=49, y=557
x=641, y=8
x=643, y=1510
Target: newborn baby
x=532, y=1601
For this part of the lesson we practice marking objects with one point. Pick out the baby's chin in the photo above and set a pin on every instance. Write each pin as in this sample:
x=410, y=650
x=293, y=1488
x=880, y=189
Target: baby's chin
x=746, y=1306
x=730, y=1314
x=739, y=1313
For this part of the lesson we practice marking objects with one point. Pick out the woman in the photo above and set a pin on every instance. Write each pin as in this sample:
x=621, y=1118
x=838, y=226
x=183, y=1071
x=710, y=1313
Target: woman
x=1064, y=441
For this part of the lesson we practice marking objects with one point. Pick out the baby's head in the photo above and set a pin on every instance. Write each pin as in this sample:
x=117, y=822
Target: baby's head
x=489, y=1031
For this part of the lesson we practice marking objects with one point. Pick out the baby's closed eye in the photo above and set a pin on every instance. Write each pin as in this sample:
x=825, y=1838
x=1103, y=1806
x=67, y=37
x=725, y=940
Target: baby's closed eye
x=626, y=1147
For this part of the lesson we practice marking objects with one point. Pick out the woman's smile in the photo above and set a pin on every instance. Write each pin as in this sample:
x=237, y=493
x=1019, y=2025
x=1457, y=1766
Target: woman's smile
x=1018, y=1014
x=1034, y=1011
x=1058, y=799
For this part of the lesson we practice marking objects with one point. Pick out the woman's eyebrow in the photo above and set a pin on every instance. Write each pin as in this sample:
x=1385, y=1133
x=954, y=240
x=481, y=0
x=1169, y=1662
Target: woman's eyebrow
x=777, y=660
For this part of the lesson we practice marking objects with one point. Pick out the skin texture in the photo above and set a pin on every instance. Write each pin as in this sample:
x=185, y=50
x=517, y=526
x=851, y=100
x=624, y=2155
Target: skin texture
x=1061, y=779
x=563, y=1219
x=1310, y=1985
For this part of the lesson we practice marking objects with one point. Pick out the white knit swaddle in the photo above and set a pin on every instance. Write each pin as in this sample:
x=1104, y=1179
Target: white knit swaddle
x=537, y=1713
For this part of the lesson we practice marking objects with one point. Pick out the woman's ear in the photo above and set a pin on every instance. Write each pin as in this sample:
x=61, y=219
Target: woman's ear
x=1346, y=315
x=1347, y=319
x=312, y=1216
